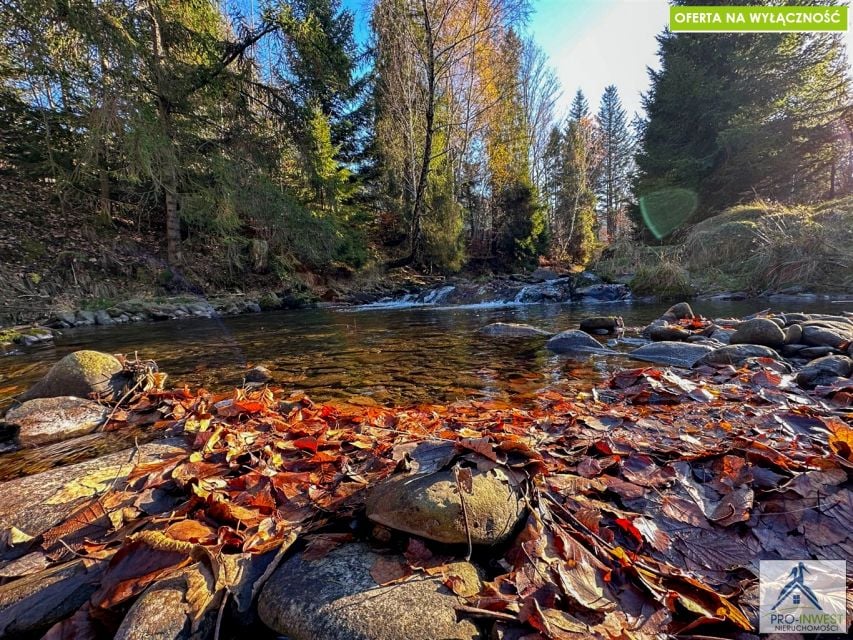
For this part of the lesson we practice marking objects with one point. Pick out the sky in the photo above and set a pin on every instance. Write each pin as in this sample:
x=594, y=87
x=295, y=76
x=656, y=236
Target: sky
x=594, y=43
x=591, y=43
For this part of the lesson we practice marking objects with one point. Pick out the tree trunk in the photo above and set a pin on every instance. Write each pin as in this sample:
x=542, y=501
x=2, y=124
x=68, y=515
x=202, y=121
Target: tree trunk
x=169, y=172
x=426, y=156
x=173, y=228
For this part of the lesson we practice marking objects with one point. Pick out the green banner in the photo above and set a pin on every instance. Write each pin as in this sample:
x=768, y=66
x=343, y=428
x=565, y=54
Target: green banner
x=756, y=19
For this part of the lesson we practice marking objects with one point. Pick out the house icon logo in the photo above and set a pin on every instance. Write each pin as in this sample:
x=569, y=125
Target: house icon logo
x=802, y=596
x=796, y=589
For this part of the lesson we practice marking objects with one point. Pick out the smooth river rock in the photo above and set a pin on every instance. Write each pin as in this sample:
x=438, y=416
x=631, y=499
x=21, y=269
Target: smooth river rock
x=829, y=334
x=761, y=331
x=336, y=598
x=79, y=374
x=578, y=342
x=674, y=354
x=736, y=353
x=824, y=371
x=610, y=324
x=429, y=505
x=164, y=611
x=36, y=503
x=34, y=602
x=44, y=420
x=512, y=330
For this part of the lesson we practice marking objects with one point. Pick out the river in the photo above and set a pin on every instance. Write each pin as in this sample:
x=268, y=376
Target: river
x=392, y=356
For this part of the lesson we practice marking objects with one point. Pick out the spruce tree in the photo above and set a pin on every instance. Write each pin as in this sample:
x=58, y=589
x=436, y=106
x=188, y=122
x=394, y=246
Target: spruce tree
x=616, y=143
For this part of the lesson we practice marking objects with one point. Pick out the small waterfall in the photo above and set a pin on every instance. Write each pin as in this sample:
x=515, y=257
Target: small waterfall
x=519, y=297
x=430, y=298
x=437, y=296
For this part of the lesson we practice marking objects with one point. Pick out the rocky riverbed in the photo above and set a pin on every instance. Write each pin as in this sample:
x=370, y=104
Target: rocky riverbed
x=639, y=509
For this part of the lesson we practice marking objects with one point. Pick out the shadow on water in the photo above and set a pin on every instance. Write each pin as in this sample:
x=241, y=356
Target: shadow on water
x=400, y=356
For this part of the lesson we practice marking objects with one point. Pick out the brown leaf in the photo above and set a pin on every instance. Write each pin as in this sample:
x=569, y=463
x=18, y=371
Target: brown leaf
x=191, y=531
x=388, y=569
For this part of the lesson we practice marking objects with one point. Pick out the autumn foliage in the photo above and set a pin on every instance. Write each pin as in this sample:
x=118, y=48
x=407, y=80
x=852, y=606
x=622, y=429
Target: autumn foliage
x=650, y=499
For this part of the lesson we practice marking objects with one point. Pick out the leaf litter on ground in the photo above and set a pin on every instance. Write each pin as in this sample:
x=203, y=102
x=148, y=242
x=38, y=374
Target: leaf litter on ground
x=650, y=502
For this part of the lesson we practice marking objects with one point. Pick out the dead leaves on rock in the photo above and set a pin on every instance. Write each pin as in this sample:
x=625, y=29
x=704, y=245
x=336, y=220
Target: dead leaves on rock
x=651, y=500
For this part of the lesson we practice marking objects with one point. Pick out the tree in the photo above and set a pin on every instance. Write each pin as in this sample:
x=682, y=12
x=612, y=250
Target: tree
x=573, y=159
x=440, y=67
x=617, y=149
x=734, y=116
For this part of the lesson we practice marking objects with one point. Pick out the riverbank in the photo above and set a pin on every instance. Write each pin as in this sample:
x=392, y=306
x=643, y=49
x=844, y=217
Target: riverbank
x=753, y=250
x=643, y=501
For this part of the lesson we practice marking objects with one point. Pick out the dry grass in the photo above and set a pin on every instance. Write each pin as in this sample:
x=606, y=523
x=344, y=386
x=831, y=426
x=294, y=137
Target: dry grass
x=664, y=278
x=767, y=246
x=757, y=248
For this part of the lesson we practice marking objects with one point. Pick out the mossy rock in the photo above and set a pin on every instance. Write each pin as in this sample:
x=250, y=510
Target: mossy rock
x=79, y=374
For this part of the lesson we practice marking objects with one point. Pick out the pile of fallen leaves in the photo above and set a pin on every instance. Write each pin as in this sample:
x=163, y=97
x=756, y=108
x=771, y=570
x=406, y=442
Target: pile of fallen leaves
x=652, y=498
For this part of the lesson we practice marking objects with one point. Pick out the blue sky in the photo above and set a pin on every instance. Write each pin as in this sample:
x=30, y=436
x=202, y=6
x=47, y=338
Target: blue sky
x=595, y=43
x=591, y=43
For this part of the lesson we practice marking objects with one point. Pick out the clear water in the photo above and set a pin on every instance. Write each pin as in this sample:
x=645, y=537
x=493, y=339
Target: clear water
x=397, y=356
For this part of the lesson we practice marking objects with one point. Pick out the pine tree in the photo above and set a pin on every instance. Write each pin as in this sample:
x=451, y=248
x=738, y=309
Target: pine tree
x=616, y=143
x=579, y=108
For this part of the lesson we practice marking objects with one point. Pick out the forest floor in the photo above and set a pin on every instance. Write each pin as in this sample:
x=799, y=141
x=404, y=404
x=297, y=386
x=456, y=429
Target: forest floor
x=58, y=259
x=643, y=506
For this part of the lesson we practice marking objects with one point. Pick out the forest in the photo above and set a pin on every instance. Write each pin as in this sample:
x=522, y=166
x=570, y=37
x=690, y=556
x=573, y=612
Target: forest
x=273, y=142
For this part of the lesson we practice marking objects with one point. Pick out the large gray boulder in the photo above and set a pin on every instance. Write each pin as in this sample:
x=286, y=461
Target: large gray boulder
x=43, y=420
x=512, y=330
x=430, y=505
x=337, y=598
x=824, y=371
x=735, y=354
x=578, y=342
x=761, y=331
x=673, y=354
x=79, y=374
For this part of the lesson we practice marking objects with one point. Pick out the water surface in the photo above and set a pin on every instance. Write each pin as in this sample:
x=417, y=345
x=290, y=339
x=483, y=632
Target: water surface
x=399, y=356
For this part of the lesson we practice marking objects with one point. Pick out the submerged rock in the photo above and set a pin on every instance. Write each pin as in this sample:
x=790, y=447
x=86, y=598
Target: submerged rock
x=79, y=374
x=337, y=598
x=604, y=292
x=430, y=505
x=43, y=420
x=736, y=353
x=512, y=330
x=674, y=354
x=761, y=331
x=575, y=341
